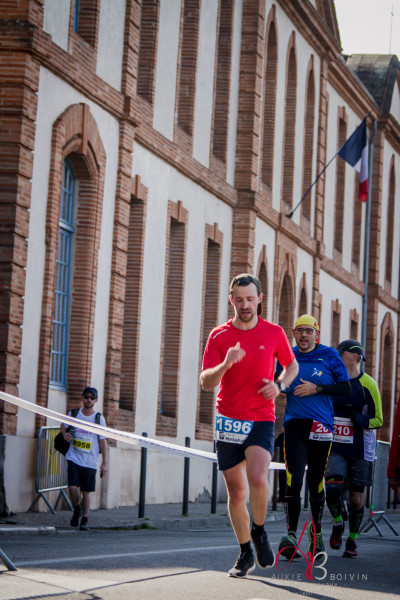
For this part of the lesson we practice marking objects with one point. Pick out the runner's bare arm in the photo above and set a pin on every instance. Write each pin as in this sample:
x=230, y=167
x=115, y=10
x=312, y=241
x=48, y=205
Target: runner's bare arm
x=210, y=378
x=272, y=389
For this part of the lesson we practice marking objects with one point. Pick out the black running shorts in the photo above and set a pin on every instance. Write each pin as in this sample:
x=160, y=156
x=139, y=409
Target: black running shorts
x=262, y=434
x=81, y=477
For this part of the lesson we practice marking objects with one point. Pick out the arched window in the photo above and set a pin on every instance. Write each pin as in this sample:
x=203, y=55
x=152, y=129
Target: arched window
x=286, y=307
x=336, y=318
x=271, y=70
x=73, y=227
x=390, y=226
x=223, y=80
x=340, y=188
x=303, y=302
x=386, y=375
x=210, y=305
x=188, y=65
x=289, y=130
x=263, y=277
x=149, y=17
x=308, y=148
x=357, y=222
x=62, y=289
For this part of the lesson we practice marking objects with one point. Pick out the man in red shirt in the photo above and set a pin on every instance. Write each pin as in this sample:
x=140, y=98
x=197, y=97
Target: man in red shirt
x=240, y=357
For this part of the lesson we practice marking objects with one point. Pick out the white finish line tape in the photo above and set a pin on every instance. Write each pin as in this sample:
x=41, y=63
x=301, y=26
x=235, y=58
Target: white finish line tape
x=116, y=434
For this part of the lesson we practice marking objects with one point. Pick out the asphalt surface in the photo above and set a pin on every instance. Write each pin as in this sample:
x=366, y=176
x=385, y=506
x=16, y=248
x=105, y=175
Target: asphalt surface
x=170, y=556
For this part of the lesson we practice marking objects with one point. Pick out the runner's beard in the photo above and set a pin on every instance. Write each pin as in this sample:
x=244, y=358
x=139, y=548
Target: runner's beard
x=247, y=317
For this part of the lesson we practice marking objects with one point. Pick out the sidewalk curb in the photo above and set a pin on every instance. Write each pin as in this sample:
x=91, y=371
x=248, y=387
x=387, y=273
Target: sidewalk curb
x=166, y=524
x=15, y=530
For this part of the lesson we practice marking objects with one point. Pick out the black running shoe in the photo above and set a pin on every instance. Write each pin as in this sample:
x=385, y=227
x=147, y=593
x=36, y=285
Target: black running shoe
x=265, y=556
x=74, y=522
x=351, y=549
x=84, y=524
x=287, y=547
x=243, y=566
x=335, y=541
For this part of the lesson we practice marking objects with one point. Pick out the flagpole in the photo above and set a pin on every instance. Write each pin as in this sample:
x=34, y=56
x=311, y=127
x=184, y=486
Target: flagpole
x=367, y=237
x=290, y=215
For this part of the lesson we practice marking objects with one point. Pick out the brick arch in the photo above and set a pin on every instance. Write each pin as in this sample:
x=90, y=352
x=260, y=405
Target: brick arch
x=386, y=357
x=76, y=136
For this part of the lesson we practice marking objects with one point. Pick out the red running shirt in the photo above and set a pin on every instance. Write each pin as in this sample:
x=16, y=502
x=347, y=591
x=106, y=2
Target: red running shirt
x=237, y=397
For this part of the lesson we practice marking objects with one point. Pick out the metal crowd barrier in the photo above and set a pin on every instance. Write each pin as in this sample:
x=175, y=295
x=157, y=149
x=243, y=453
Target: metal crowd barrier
x=378, y=495
x=51, y=469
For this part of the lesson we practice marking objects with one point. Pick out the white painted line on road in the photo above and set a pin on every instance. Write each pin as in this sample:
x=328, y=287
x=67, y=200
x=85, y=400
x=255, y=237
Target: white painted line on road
x=97, y=557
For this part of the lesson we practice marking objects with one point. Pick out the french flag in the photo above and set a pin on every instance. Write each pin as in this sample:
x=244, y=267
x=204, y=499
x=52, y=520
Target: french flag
x=355, y=152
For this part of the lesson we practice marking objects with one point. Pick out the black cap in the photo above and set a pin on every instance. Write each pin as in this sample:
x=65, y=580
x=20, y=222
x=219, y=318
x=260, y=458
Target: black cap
x=246, y=279
x=351, y=346
x=90, y=390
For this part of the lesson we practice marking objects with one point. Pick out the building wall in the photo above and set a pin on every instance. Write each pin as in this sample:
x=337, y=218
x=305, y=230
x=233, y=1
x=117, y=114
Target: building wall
x=141, y=154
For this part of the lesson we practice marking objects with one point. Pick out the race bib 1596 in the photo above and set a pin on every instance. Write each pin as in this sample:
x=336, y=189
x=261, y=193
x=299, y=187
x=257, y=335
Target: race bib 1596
x=232, y=430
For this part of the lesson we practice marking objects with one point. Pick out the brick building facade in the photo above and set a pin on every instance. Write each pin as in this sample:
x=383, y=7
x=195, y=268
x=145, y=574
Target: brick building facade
x=152, y=149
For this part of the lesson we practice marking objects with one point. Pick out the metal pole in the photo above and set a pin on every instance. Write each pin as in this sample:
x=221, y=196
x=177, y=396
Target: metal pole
x=277, y=458
x=7, y=562
x=367, y=236
x=214, y=487
x=185, y=503
x=142, y=488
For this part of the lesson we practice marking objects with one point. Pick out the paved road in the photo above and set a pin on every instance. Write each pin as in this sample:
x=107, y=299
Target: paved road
x=175, y=565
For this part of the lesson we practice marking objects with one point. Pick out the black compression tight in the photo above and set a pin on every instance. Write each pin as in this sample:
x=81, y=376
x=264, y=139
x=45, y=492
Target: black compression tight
x=301, y=451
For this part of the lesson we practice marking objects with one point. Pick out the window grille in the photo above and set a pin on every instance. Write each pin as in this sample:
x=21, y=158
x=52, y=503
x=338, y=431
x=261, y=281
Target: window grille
x=60, y=321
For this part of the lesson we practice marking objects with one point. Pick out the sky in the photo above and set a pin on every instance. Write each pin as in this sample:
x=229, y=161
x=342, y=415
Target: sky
x=365, y=26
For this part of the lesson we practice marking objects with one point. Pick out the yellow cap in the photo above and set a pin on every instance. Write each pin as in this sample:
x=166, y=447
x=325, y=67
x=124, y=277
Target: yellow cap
x=307, y=320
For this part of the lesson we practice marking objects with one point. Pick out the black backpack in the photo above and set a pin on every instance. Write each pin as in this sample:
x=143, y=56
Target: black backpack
x=62, y=445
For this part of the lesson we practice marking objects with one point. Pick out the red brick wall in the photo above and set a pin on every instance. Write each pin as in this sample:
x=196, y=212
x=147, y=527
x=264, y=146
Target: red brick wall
x=130, y=203
x=19, y=75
